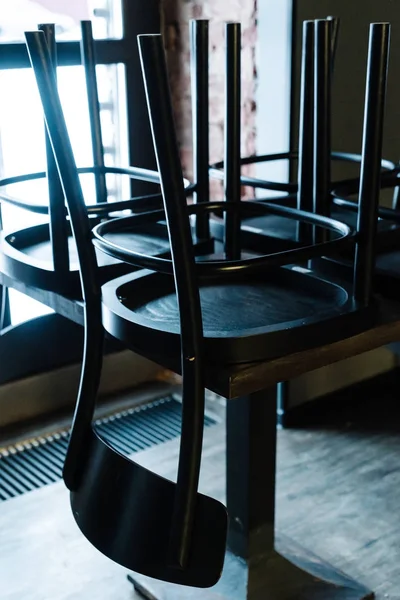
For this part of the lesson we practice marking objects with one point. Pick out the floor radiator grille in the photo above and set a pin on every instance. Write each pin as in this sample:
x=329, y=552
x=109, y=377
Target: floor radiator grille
x=39, y=461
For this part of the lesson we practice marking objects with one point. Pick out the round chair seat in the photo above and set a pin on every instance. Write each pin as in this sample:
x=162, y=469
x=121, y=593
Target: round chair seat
x=281, y=227
x=27, y=255
x=245, y=318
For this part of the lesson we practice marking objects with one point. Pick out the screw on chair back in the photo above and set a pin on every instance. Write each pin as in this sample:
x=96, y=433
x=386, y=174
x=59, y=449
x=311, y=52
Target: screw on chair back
x=135, y=517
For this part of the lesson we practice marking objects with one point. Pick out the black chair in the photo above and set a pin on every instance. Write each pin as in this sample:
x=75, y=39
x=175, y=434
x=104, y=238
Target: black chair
x=191, y=315
x=130, y=313
x=341, y=203
x=135, y=517
x=264, y=232
x=44, y=256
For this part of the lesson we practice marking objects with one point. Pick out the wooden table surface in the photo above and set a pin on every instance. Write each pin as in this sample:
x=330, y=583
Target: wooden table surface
x=240, y=380
x=248, y=378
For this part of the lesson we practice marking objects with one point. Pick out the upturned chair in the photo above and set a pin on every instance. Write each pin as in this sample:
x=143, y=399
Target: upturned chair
x=342, y=204
x=261, y=232
x=147, y=523
x=44, y=256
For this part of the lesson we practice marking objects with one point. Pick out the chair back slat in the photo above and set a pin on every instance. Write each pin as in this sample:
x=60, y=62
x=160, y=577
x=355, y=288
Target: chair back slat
x=89, y=63
x=200, y=115
x=375, y=97
x=57, y=221
x=186, y=285
x=232, y=137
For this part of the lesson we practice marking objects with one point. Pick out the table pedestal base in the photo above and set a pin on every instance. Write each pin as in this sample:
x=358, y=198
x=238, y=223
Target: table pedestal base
x=289, y=573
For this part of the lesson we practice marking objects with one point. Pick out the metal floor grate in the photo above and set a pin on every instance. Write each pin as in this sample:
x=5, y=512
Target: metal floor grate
x=38, y=462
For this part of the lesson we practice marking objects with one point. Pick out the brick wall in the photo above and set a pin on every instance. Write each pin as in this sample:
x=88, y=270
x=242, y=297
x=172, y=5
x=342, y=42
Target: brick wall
x=177, y=14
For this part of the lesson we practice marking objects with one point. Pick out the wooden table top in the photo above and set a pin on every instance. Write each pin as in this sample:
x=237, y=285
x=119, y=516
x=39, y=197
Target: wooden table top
x=247, y=378
x=239, y=380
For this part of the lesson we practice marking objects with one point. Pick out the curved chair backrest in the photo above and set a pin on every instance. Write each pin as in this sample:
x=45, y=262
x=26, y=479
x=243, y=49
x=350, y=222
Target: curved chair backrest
x=137, y=518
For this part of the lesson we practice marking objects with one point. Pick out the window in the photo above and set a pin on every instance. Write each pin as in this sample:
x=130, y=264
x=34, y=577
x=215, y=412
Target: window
x=22, y=145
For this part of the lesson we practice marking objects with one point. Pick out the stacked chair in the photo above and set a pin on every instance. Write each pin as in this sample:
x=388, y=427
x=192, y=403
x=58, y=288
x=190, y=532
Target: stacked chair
x=316, y=80
x=42, y=258
x=203, y=313
x=317, y=192
x=40, y=261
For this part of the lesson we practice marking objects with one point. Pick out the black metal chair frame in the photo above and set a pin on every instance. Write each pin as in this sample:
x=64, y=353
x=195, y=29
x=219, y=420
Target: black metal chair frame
x=57, y=276
x=156, y=539
x=16, y=262
x=291, y=190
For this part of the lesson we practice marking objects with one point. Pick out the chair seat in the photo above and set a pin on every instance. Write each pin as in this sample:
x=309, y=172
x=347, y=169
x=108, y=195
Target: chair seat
x=245, y=318
x=27, y=255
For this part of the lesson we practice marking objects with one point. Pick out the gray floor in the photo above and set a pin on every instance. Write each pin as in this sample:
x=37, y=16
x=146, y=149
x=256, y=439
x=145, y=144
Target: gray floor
x=338, y=494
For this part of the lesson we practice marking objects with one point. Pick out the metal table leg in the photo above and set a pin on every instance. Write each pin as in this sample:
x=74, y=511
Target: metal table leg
x=258, y=565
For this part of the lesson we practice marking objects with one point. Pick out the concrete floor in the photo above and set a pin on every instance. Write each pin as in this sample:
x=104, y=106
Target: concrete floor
x=338, y=494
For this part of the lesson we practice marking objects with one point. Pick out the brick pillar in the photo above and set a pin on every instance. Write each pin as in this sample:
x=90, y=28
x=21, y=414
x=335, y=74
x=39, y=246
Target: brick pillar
x=177, y=14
